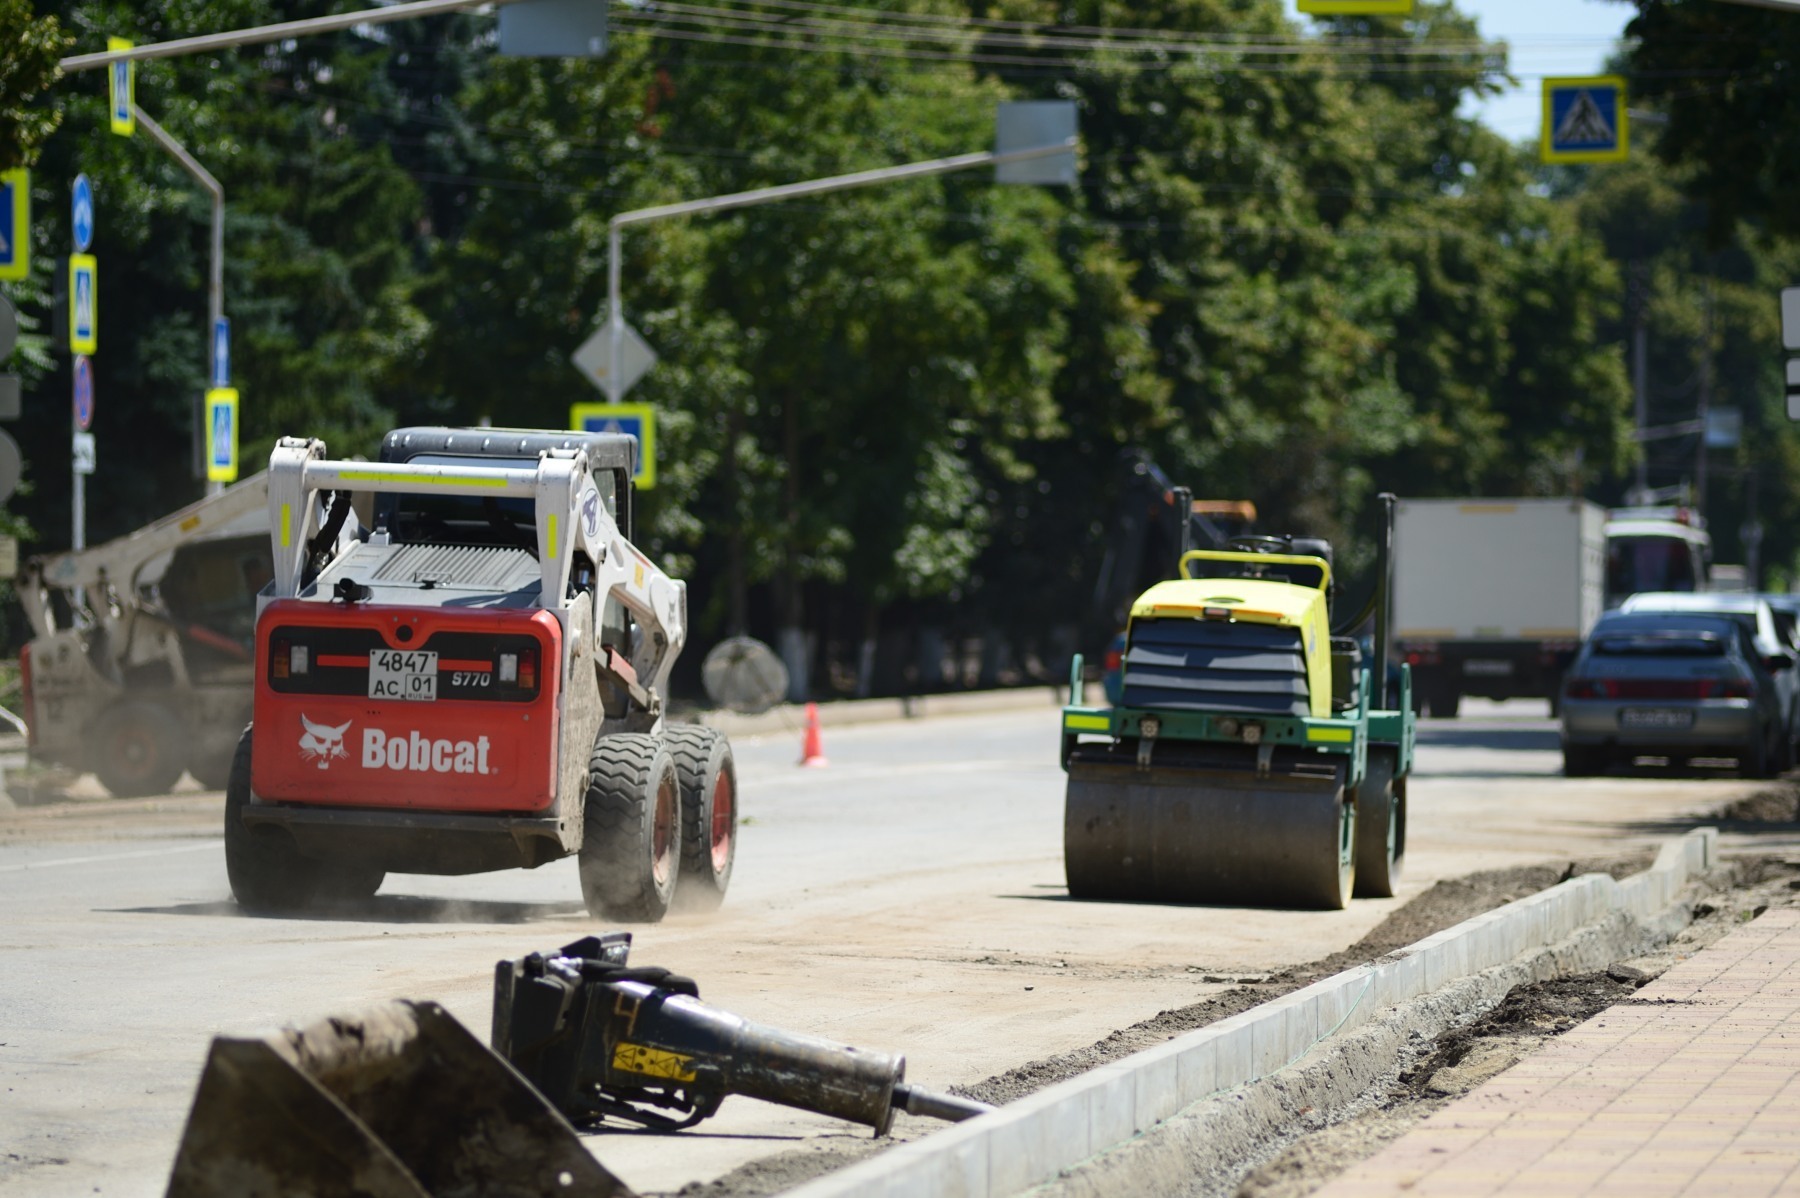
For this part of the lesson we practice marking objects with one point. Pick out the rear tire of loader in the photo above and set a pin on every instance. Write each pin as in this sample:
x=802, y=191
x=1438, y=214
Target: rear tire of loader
x=1380, y=827
x=269, y=876
x=631, y=843
x=138, y=749
x=708, y=777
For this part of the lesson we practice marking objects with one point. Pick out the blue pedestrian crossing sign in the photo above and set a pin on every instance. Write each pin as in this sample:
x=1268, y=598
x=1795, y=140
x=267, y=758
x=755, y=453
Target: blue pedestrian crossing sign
x=84, y=304
x=638, y=419
x=81, y=214
x=15, y=224
x=222, y=435
x=221, y=355
x=1585, y=120
x=121, y=89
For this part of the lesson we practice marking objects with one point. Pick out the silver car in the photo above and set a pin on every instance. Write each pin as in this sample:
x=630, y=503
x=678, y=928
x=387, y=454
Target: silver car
x=1676, y=686
x=1757, y=618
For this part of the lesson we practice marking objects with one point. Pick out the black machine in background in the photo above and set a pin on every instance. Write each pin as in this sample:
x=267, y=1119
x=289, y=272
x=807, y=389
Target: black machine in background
x=604, y=1040
x=1149, y=535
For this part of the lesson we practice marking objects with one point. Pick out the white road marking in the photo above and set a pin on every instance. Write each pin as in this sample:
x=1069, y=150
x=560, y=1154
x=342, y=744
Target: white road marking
x=186, y=848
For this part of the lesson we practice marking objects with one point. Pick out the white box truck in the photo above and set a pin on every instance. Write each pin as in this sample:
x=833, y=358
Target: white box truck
x=1492, y=597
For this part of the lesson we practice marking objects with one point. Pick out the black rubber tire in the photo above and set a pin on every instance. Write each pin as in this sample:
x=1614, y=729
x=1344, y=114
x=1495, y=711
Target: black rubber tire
x=1759, y=761
x=1380, y=826
x=709, y=815
x=138, y=749
x=269, y=876
x=1584, y=761
x=631, y=844
x=212, y=773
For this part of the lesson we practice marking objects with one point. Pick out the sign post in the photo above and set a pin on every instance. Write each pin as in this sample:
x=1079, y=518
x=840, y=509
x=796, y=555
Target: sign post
x=1790, y=341
x=15, y=224
x=221, y=435
x=1586, y=120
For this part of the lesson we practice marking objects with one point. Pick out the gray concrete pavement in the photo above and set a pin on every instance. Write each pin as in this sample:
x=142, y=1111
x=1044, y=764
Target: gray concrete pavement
x=908, y=898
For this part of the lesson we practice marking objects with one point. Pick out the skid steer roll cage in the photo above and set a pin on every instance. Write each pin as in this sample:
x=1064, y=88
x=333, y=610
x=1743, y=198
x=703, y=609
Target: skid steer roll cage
x=572, y=521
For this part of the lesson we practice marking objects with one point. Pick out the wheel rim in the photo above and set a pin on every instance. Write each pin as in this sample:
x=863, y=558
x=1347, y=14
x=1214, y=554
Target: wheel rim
x=662, y=834
x=136, y=750
x=723, y=817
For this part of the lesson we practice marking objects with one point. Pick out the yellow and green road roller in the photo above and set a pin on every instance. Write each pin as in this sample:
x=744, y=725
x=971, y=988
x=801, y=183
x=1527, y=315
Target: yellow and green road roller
x=1253, y=758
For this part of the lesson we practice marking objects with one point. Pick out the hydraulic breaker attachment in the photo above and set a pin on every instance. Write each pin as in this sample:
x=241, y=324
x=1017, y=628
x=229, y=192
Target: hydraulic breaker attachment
x=397, y=1101
x=602, y=1039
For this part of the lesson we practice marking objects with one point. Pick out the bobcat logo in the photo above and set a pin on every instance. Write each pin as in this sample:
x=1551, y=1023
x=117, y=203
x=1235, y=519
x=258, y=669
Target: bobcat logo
x=322, y=742
x=590, y=512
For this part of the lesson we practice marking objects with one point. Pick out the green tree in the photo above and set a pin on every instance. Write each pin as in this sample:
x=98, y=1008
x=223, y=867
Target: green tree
x=30, y=46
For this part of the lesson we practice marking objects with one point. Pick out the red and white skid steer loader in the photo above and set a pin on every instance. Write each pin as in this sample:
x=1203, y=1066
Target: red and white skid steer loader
x=473, y=680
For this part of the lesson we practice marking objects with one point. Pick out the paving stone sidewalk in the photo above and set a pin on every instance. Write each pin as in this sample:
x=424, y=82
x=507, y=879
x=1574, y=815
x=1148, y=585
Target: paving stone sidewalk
x=1690, y=1087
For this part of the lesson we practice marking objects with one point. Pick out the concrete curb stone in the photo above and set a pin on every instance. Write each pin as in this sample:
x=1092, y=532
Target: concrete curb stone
x=1031, y=1141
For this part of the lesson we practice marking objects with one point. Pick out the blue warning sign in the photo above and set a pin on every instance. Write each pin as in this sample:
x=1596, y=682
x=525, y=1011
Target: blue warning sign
x=1585, y=120
x=638, y=419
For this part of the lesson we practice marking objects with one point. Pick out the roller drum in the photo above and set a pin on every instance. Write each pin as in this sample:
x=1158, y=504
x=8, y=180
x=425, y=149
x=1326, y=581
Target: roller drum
x=1188, y=834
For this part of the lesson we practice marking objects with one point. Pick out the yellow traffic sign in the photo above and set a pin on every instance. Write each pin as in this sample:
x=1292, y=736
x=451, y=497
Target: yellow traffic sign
x=84, y=304
x=121, y=89
x=15, y=224
x=638, y=419
x=1352, y=8
x=1586, y=120
x=222, y=435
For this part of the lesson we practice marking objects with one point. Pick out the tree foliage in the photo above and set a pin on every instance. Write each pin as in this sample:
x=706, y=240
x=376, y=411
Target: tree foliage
x=1296, y=277
x=30, y=46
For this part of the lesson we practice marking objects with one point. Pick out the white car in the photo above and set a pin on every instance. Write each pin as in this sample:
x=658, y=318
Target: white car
x=1758, y=619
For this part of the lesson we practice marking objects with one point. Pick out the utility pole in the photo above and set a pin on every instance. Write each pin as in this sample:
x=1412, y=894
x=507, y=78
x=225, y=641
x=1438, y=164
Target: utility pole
x=1706, y=385
x=1640, y=371
x=215, y=278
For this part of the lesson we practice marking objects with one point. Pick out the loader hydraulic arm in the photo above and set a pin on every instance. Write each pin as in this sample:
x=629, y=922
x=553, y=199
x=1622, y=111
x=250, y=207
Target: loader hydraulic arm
x=109, y=572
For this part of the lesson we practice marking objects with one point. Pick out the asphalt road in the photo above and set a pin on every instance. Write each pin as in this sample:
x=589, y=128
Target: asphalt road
x=908, y=898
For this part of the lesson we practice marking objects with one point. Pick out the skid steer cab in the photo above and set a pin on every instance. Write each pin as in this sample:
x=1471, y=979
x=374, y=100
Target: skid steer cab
x=461, y=667
x=1253, y=758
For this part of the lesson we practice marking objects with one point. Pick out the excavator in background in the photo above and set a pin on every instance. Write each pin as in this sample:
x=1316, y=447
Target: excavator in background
x=140, y=662
x=1147, y=535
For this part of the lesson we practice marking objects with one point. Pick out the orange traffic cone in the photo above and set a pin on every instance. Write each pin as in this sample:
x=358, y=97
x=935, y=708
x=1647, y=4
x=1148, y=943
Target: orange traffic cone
x=812, y=745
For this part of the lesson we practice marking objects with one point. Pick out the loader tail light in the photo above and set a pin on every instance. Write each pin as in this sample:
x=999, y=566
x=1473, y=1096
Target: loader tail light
x=528, y=663
x=507, y=669
x=279, y=660
x=299, y=660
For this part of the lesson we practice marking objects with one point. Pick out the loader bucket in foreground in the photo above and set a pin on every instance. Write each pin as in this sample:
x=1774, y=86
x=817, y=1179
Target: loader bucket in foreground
x=396, y=1101
x=1203, y=834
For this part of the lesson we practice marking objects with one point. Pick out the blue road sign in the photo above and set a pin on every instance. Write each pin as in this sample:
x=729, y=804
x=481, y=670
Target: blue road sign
x=81, y=214
x=221, y=353
x=15, y=224
x=84, y=304
x=638, y=419
x=222, y=435
x=84, y=392
x=1586, y=120
x=122, y=90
